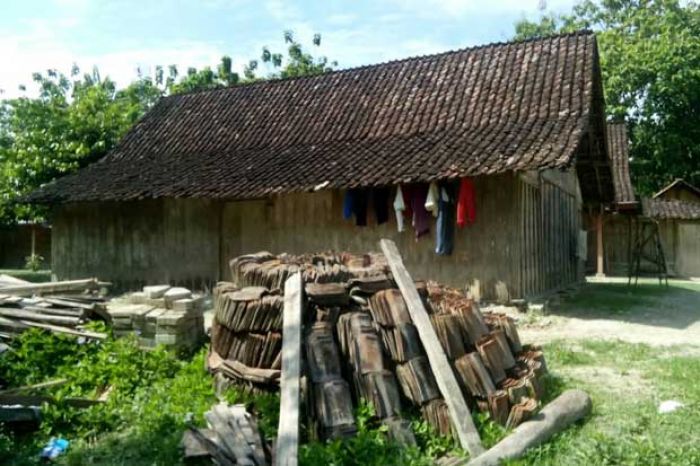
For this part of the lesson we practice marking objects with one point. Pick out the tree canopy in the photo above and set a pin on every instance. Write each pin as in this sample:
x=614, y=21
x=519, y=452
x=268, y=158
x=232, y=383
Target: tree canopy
x=650, y=61
x=77, y=119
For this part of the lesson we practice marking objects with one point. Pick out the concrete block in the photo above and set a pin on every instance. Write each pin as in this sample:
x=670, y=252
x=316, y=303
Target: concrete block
x=155, y=291
x=156, y=302
x=174, y=294
x=139, y=297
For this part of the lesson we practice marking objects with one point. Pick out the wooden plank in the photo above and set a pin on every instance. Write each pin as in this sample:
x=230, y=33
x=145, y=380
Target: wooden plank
x=38, y=400
x=50, y=287
x=446, y=380
x=67, y=331
x=37, y=386
x=36, y=316
x=288, y=431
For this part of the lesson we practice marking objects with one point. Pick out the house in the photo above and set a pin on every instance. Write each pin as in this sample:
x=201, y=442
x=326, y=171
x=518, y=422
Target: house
x=610, y=229
x=677, y=210
x=673, y=213
x=208, y=175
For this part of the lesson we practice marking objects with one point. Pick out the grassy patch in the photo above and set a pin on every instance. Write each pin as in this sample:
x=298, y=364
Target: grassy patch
x=625, y=427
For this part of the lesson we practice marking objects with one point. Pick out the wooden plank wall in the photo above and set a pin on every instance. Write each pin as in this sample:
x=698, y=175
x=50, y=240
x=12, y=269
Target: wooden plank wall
x=549, y=225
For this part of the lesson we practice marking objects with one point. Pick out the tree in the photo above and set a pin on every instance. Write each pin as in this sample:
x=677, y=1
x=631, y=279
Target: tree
x=650, y=60
x=76, y=120
x=70, y=124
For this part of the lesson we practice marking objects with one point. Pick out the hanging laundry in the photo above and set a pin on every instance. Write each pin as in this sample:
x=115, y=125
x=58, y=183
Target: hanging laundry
x=446, y=221
x=432, y=200
x=348, y=204
x=466, y=203
x=355, y=203
x=359, y=207
x=421, y=217
x=380, y=198
x=399, y=208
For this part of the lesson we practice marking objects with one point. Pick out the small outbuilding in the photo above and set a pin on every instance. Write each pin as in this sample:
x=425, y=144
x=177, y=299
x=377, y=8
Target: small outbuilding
x=507, y=139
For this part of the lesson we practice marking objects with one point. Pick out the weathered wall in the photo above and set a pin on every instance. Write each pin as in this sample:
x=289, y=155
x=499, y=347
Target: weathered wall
x=491, y=250
x=16, y=245
x=687, y=259
x=524, y=237
x=680, y=241
x=133, y=243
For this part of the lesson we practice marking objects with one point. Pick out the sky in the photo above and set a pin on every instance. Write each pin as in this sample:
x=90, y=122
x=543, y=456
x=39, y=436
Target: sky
x=121, y=36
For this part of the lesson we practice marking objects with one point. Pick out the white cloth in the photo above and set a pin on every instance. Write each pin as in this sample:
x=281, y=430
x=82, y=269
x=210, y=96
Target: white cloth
x=431, y=202
x=399, y=207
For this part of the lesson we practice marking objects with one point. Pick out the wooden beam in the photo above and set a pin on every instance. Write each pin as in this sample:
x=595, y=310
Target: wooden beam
x=566, y=409
x=288, y=431
x=600, y=265
x=445, y=377
x=51, y=287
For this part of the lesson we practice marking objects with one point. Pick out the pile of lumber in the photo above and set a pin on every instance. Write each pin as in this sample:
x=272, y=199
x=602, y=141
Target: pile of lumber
x=59, y=307
x=360, y=343
x=160, y=315
x=231, y=438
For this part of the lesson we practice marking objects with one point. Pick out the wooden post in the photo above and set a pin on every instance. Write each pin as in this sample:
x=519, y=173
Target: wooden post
x=446, y=380
x=288, y=432
x=600, y=270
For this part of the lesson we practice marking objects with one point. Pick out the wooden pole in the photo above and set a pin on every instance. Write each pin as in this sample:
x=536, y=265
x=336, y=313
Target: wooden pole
x=566, y=409
x=600, y=270
x=288, y=432
x=445, y=377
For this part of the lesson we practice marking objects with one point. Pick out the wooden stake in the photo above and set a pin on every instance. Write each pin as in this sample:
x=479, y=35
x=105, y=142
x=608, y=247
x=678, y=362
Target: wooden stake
x=446, y=380
x=288, y=432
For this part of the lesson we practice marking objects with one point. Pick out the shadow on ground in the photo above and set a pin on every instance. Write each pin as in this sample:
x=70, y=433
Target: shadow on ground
x=675, y=306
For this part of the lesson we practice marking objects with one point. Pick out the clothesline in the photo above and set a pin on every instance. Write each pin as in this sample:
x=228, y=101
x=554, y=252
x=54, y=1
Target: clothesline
x=449, y=203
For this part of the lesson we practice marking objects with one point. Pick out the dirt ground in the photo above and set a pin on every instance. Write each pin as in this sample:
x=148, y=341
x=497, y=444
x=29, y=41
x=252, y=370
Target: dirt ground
x=609, y=309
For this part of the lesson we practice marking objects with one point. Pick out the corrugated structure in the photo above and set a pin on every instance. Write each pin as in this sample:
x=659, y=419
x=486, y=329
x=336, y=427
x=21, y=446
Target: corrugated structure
x=513, y=116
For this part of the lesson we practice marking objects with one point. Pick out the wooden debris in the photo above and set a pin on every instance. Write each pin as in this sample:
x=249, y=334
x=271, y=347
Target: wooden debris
x=33, y=387
x=232, y=438
x=520, y=412
x=327, y=294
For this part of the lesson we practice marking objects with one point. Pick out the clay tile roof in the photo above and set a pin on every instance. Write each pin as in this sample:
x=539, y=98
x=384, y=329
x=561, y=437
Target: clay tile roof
x=618, y=152
x=679, y=210
x=478, y=111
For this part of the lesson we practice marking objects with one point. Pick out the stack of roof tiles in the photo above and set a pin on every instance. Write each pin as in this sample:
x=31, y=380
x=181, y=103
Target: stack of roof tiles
x=484, y=110
x=361, y=343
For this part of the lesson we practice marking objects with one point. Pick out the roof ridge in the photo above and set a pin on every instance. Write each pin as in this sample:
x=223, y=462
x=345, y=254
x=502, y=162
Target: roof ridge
x=262, y=82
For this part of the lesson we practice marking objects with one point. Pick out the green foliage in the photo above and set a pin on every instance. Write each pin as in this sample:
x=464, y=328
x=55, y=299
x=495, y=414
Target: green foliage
x=70, y=124
x=33, y=262
x=650, y=60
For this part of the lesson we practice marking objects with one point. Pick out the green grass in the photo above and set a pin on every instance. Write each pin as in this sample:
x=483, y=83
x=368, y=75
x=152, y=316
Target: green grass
x=625, y=428
x=38, y=276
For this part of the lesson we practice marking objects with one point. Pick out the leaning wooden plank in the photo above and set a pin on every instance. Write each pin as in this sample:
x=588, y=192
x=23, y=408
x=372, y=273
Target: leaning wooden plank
x=38, y=317
x=566, y=409
x=36, y=386
x=51, y=287
x=38, y=400
x=288, y=431
x=67, y=331
x=445, y=377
